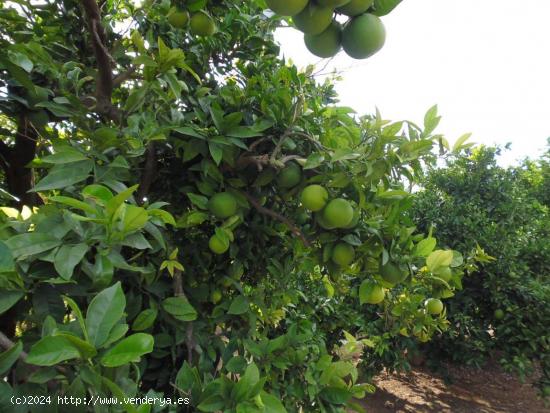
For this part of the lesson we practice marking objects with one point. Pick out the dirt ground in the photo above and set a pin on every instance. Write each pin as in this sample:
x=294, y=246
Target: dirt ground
x=472, y=391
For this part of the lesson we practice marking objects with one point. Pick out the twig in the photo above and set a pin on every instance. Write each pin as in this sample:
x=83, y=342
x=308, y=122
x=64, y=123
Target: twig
x=266, y=211
x=149, y=172
x=104, y=81
x=260, y=161
x=178, y=292
x=124, y=76
x=7, y=344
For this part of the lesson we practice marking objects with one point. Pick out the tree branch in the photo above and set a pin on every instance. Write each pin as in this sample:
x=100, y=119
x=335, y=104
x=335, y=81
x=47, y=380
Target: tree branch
x=104, y=81
x=266, y=211
x=148, y=174
x=124, y=76
x=7, y=344
x=178, y=292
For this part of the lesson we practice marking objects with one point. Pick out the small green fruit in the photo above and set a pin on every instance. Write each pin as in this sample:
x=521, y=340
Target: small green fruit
x=216, y=245
x=314, y=197
x=363, y=36
x=338, y=213
x=355, y=7
x=179, y=19
x=287, y=7
x=355, y=219
x=289, y=176
x=499, y=314
x=343, y=254
x=322, y=222
x=326, y=44
x=313, y=19
x=222, y=205
x=202, y=24
x=375, y=294
x=391, y=273
x=332, y=3
x=216, y=296
x=434, y=306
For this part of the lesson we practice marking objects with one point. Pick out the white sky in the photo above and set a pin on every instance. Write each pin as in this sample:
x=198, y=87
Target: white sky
x=486, y=63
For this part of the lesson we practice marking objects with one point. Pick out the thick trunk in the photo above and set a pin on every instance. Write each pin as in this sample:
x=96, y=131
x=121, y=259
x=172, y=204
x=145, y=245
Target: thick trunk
x=20, y=178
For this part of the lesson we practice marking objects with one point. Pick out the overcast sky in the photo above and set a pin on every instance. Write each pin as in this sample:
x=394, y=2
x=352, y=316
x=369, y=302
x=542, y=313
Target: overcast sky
x=486, y=63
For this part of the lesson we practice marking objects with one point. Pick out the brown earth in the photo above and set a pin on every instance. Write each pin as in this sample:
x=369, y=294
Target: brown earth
x=489, y=390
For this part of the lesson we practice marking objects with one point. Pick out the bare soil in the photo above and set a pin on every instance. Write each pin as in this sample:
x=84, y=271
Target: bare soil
x=489, y=390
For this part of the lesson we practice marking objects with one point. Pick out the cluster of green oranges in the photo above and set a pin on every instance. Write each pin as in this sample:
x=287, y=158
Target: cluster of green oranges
x=361, y=36
x=200, y=23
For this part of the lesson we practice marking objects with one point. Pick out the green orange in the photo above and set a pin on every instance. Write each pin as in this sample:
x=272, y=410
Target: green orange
x=287, y=7
x=222, y=205
x=355, y=7
x=343, y=254
x=217, y=245
x=434, y=306
x=289, y=176
x=327, y=43
x=202, y=24
x=363, y=36
x=338, y=213
x=313, y=19
x=314, y=197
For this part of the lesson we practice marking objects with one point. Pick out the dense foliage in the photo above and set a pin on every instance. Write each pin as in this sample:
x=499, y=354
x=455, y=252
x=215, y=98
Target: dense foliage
x=503, y=311
x=153, y=241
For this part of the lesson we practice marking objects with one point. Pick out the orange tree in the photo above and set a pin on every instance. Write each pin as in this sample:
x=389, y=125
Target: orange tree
x=156, y=236
x=502, y=311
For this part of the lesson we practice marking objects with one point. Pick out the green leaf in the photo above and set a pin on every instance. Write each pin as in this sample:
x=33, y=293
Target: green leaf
x=216, y=152
x=237, y=365
x=75, y=203
x=212, y=403
x=115, y=202
x=128, y=350
x=244, y=386
x=239, y=305
x=439, y=258
x=166, y=216
x=425, y=247
x=52, y=350
x=335, y=395
x=187, y=377
x=191, y=218
x=31, y=243
x=136, y=99
x=459, y=144
x=67, y=258
x=314, y=160
x=179, y=308
x=431, y=120
x=21, y=60
x=65, y=154
x=6, y=258
x=78, y=314
x=8, y=299
x=199, y=201
x=135, y=218
x=105, y=310
x=116, y=334
x=86, y=350
x=145, y=319
x=272, y=404
x=243, y=132
x=99, y=193
x=9, y=357
x=121, y=397
x=64, y=175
